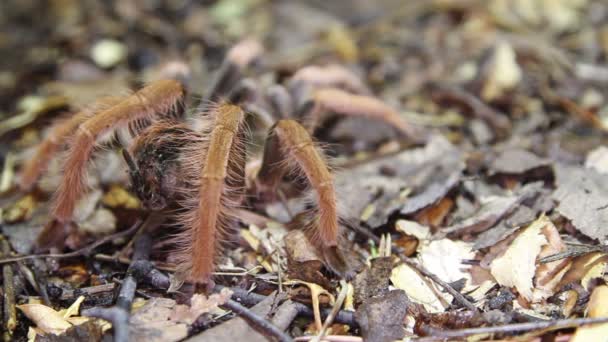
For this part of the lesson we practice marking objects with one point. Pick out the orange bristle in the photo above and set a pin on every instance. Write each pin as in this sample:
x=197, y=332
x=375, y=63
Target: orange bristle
x=157, y=98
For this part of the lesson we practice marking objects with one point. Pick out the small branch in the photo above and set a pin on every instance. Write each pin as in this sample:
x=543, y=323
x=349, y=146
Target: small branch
x=119, y=314
x=262, y=324
x=438, y=334
x=80, y=252
x=334, y=311
x=250, y=299
x=457, y=295
x=9, y=311
x=69, y=295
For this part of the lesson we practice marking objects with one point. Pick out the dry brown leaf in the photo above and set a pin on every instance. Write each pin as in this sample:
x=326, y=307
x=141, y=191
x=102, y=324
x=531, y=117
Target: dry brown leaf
x=550, y=274
x=199, y=304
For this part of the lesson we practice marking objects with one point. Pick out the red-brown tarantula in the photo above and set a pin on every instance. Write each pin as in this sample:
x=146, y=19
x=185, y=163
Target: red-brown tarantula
x=197, y=165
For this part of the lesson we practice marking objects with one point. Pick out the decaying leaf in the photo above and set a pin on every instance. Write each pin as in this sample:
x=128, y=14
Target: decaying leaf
x=582, y=195
x=598, y=160
x=373, y=281
x=153, y=322
x=518, y=265
x=382, y=318
x=199, y=304
x=516, y=161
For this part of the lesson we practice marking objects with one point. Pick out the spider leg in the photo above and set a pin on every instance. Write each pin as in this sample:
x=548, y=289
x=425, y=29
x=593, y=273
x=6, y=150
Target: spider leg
x=221, y=181
x=336, y=101
x=59, y=132
x=152, y=100
x=288, y=140
x=237, y=59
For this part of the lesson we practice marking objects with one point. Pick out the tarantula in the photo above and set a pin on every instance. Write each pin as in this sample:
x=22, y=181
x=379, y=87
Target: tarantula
x=197, y=164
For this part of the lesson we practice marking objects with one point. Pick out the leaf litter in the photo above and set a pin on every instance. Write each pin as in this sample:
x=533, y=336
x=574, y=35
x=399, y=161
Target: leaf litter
x=492, y=227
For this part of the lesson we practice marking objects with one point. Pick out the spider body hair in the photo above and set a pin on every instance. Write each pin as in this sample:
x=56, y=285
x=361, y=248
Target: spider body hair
x=288, y=140
x=157, y=98
x=216, y=165
x=155, y=164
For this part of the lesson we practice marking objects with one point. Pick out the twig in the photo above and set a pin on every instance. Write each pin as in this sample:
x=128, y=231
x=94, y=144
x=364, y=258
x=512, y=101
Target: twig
x=334, y=311
x=69, y=295
x=457, y=295
x=332, y=338
x=119, y=314
x=9, y=311
x=83, y=251
x=498, y=121
x=250, y=299
x=260, y=322
x=511, y=328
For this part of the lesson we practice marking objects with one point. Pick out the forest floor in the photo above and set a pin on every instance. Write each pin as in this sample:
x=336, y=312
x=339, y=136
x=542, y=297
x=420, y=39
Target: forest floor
x=469, y=160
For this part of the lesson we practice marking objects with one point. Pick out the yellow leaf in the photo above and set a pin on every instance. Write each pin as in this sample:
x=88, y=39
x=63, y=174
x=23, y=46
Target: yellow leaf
x=417, y=288
x=597, y=307
x=45, y=318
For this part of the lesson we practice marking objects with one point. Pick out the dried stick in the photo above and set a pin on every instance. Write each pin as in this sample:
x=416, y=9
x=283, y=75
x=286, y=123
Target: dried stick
x=288, y=140
x=83, y=251
x=9, y=311
x=498, y=121
x=156, y=98
x=119, y=314
x=260, y=323
x=56, y=138
x=457, y=295
x=440, y=335
x=341, y=102
x=334, y=311
x=207, y=215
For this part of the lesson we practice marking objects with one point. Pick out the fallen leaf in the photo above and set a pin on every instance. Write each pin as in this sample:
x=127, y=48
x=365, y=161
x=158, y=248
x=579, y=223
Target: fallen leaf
x=517, y=266
x=382, y=318
x=199, y=304
x=152, y=322
x=45, y=318
x=516, y=161
x=596, y=308
x=503, y=73
x=444, y=259
x=418, y=289
x=583, y=198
